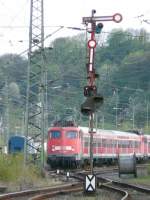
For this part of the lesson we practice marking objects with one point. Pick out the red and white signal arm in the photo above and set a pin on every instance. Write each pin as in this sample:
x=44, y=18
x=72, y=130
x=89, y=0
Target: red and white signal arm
x=91, y=43
x=117, y=17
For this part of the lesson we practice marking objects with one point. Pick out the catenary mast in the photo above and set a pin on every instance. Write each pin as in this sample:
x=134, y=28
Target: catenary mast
x=35, y=123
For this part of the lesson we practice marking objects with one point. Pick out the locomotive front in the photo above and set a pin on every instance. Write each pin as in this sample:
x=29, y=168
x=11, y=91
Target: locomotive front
x=63, y=147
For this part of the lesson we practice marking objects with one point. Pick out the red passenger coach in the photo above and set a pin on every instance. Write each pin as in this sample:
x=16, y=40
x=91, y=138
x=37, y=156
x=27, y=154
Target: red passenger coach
x=70, y=145
x=109, y=144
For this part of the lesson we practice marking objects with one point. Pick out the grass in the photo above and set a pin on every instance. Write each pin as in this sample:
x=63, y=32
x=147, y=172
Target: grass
x=17, y=177
x=99, y=195
x=12, y=167
x=142, y=180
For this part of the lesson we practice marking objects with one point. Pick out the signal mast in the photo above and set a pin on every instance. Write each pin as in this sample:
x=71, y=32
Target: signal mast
x=93, y=99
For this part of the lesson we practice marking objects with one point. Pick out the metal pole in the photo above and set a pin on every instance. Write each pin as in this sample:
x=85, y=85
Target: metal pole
x=28, y=87
x=91, y=131
x=36, y=85
x=147, y=111
x=7, y=113
x=96, y=121
x=116, y=117
x=133, y=115
x=116, y=108
x=103, y=122
x=90, y=91
x=43, y=81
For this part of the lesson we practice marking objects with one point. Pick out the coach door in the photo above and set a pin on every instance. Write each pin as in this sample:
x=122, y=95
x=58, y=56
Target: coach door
x=145, y=146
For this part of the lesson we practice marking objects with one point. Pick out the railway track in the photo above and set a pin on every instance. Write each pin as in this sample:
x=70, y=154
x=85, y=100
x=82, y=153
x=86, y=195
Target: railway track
x=47, y=193
x=125, y=191
x=133, y=192
x=30, y=194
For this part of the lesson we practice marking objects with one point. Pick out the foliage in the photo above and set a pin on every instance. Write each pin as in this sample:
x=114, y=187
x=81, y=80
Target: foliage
x=122, y=63
x=12, y=169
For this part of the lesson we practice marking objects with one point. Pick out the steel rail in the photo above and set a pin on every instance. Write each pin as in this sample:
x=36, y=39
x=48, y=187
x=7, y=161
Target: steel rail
x=25, y=193
x=106, y=185
x=135, y=187
x=59, y=192
x=127, y=185
x=125, y=194
x=111, y=183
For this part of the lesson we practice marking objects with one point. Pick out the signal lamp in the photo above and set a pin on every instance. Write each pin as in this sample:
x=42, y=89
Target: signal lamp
x=99, y=28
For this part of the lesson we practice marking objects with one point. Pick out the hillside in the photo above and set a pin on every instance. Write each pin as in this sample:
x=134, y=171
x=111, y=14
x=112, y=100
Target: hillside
x=122, y=62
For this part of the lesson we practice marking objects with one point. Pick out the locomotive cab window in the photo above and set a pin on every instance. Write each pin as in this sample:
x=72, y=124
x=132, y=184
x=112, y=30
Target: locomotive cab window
x=55, y=134
x=71, y=134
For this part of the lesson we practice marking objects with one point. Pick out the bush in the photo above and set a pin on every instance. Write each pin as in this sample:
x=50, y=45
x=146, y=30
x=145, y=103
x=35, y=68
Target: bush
x=148, y=170
x=12, y=169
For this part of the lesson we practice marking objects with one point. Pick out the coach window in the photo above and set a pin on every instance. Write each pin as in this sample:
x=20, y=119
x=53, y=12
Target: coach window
x=119, y=144
x=133, y=144
x=104, y=142
x=94, y=144
x=115, y=143
x=145, y=140
x=110, y=143
x=124, y=144
x=55, y=134
x=86, y=144
x=130, y=144
x=99, y=144
x=71, y=134
x=136, y=144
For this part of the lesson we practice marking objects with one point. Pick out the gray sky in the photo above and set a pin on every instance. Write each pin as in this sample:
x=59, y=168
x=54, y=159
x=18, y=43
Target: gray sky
x=14, y=18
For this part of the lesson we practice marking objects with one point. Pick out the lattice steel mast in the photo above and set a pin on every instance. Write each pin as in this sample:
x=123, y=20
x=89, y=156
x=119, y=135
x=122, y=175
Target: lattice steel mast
x=36, y=85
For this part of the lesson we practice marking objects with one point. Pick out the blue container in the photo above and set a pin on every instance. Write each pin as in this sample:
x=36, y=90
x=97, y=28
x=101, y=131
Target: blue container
x=16, y=144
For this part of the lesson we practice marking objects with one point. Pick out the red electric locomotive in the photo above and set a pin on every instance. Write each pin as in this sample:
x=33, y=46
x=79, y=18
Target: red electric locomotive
x=70, y=145
x=64, y=145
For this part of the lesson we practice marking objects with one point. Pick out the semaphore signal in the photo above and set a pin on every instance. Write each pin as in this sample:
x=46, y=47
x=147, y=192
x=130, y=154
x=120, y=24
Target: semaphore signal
x=94, y=100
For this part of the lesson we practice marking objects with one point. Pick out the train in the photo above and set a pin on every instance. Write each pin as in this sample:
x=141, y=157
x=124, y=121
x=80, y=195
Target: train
x=16, y=145
x=70, y=145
